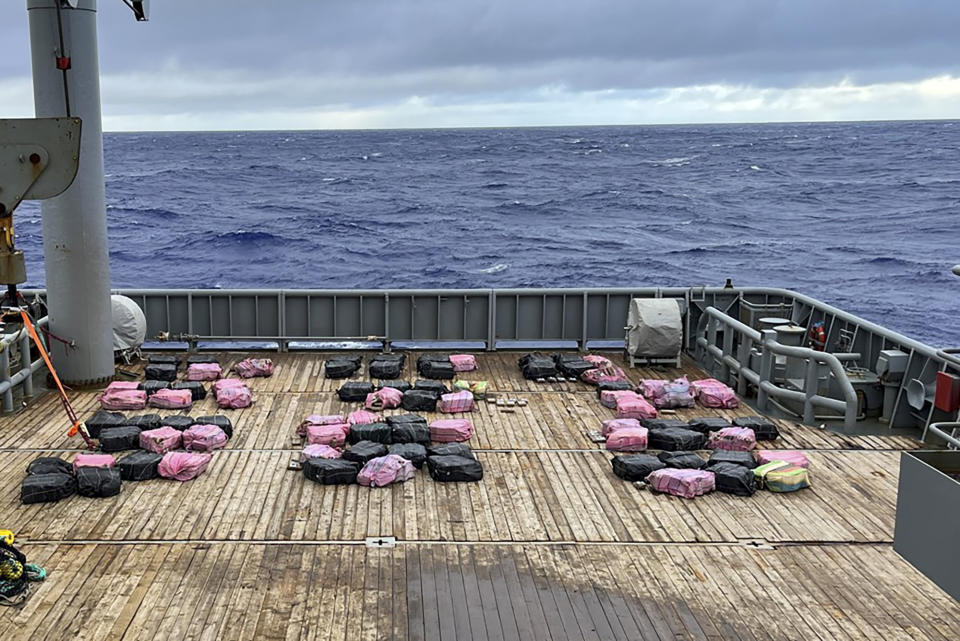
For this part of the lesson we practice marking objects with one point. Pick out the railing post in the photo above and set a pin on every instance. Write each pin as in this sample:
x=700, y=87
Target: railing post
x=26, y=362
x=5, y=377
x=727, y=351
x=585, y=320
x=810, y=390
x=743, y=355
x=712, y=341
x=766, y=369
x=492, y=321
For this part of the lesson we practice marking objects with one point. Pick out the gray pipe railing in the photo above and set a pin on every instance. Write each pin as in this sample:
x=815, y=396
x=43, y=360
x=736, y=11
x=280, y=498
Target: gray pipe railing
x=763, y=380
x=22, y=377
x=940, y=429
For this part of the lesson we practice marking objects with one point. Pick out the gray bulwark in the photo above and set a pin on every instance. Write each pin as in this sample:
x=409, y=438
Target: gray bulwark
x=927, y=531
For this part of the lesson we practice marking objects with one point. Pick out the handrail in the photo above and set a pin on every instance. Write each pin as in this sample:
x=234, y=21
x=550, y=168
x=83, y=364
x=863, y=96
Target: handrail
x=764, y=379
x=24, y=376
x=940, y=430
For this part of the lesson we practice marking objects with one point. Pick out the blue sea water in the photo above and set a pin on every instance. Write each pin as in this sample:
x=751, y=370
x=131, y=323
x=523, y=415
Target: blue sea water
x=861, y=215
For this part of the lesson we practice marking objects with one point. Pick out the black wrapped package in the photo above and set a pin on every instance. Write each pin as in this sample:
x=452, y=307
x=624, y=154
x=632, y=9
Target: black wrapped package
x=454, y=469
x=46, y=488
x=763, y=428
x=139, y=466
x=163, y=359
x=410, y=432
x=145, y=421
x=437, y=370
x=98, y=482
x=202, y=358
x=49, y=465
x=663, y=423
x=682, y=460
x=177, y=421
x=354, y=391
x=385, y=368
x=104, y=419
x=733, y=479
x=450, y=449
x=340, y=368
x=413, y=452
x=160, y=372
x=403, y=386
x=117, y=439
x=571, y=365
x=331, y=471
x=152, y=387
x=197, y=391
x=419, y=400
x=675, y=439
x=431, y=358
x=392, y=357
x=436, y=387
x=635, y=467
x=401, y=419
x=223, y=422
x=376, y=432
x=744, y=459
x=537, y=366
x=364, y=451
x=707, y=424
x=613, y=386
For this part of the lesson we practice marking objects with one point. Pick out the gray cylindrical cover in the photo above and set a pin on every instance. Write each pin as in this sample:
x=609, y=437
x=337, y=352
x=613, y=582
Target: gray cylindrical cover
x=129, y=324
x=654, y=328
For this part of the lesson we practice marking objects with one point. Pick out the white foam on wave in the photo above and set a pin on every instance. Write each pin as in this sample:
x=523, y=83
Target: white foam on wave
x=755, y=168
x=679, y=161
x=493, y=269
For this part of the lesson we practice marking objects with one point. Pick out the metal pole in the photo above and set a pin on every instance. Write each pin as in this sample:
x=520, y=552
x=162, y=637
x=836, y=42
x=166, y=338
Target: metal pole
x=75, y=249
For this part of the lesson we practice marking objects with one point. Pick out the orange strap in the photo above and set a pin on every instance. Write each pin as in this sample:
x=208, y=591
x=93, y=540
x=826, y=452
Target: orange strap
x=75, y=427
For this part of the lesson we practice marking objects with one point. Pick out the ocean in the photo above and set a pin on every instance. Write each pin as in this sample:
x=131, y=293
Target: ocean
x=860, y=215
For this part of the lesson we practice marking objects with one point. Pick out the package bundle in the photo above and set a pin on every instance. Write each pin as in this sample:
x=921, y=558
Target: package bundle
x=572, y=365
x=139, y=466
x=178, y=422
x=373, y=432
x=160, y=372
x=204, y=372
x=790, y=456
x=780, y=476
x=634, y=406
x=47, y=488
x=233, y=394
x=117, y=439
x=160, y=440
x=387, y=365
x=763, y=428
x=668, y=394
x=463, y=362
x=435, y=366
x=454, y=469
x=733, y=479
x=608, y=398
x=223, y=422
x=707, y=424
x=419, y=400
x=322, y=419
x=712, y=393
x=682, y=460
x=477, y=388
x=385, y=470
x=93, y=460
x=401, y=386
x=254, y=367
x=123, y=399
x=416, y=453
x=408, y=428
x=341, y=366
x=318, y=450
x=183, y=466
x=456, y=402
x=598, y=362
x=635, y=467
x=172, y=399
x=332, y=435
x=605, y=375
x=627, y=439
x=743, y=459
x=103, y=419
x=674, y=439
x=451, y=430
x=197, y=391
x=331, y=471
x=98, y=482
x=49, y=465
x=613, y=424
x=685, y=483
x=364, y=451
x=362, y=417
x=203, y=438
x=534, y=366
x=384, y=398
x=732, y=438
x=144, y=421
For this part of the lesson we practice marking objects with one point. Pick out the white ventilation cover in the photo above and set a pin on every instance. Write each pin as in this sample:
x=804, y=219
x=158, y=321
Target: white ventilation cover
x=129, y=324
x=654, y=328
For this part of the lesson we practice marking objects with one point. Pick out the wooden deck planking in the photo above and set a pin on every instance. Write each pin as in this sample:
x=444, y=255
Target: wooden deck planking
x=550, y=545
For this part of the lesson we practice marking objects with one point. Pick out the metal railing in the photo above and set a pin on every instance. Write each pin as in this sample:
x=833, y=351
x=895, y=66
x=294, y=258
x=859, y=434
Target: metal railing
x=734, y=356
x=940, y=429
x=22, y=377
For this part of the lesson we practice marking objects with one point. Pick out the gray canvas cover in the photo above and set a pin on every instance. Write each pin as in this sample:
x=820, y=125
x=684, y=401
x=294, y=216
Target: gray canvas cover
x=654, y=328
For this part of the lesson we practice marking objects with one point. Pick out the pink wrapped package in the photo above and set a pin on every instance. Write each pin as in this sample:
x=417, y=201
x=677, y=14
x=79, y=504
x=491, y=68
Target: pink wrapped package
x=614, y=424
x=362, y=417
x=604, y=375
x=183, y=466
x=332, y=435
x=790, y=456
x=234, y=397
x=385, y=470
x=384, y=399
x=635, y=407
x=463, y=362
x=651, y=388
x=251, y=367
x=318, y=419
x=627, y=439
x=608, y=397
x=161, y=440
x=116, y=386
x=738, y=439
x=124, y=399
x=203, y=372
x=668, y=394
x=712, y=393
x=318, y=450
x=687, y=483
x=224, y=383
x=93, y=460
x=601, y=362
x=450, y=430
x=171, y=399
x=456, y=402
x=204, y=438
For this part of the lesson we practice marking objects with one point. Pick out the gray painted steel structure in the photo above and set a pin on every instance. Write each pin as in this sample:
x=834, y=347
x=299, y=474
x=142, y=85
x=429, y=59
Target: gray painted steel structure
x=75, y=223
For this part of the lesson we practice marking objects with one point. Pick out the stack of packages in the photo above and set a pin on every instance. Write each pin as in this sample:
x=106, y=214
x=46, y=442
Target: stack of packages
x=362, y=448
x=668, y=394
x=712, y=393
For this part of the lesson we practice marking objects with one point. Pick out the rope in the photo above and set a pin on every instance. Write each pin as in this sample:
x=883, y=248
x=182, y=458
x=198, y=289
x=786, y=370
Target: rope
x=16, y=575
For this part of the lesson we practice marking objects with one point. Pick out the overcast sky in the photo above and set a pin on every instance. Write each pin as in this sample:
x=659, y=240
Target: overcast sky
x=316, y=64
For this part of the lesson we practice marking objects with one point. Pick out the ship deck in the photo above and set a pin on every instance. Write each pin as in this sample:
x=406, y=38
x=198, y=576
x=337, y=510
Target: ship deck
x=550, y=545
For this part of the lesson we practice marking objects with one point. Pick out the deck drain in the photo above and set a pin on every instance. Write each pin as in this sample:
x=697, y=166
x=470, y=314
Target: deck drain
x=756, y=544
x=381, y=542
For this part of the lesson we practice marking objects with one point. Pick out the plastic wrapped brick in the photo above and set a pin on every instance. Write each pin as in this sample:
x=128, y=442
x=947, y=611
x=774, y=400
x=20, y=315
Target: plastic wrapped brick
x=635, y=467
x=712, y=393
x=319, y=451
x=161, y=440
x=634, y=407
x=223, y=422
x=614, y=386
x=456, y=402
x=763, y=428
x=340, y=368
x=104, y=419
x=163, y=359
x=385, y=470
x=675, y=439
x=454, y=469
x=178, y=422
x=364, y=451
x=437, y=370
x=160, y=372
x=203, y=438
x=171, y=399
x=98, y=482
x=139, y=466
x=362, y=417
x=598, y=362
x=627, y=439
x=124, y=399
x=320, y=419
x=733, y=479
x=663, y=423
x=614, y=424
x=49, y=465
x=604, y=375
x=740, y=439
x=416, y=453
x=331, y=471
x=790, y=456
x=145, y=421
x=707, y=424
x=197, y=391
x=93, y=460
x=682, y=460
x=204, y=372
x=234, y=397
x=117, y=439
x=463, y=362
x=183, y=466
x=354, y=391
x=376, y=432
x=254, y=368
x=609, y=398
x=410, y=432
x=450, y=430
x=332, y=435
x=743, y=459
x=380, y=368
x=438, y=388
x=47, y=488
x=385, y=398
x=451, y=449
x=780, y=476
x=534, y=366
x=401, y=386
x=685, y=483
x=419, y=401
